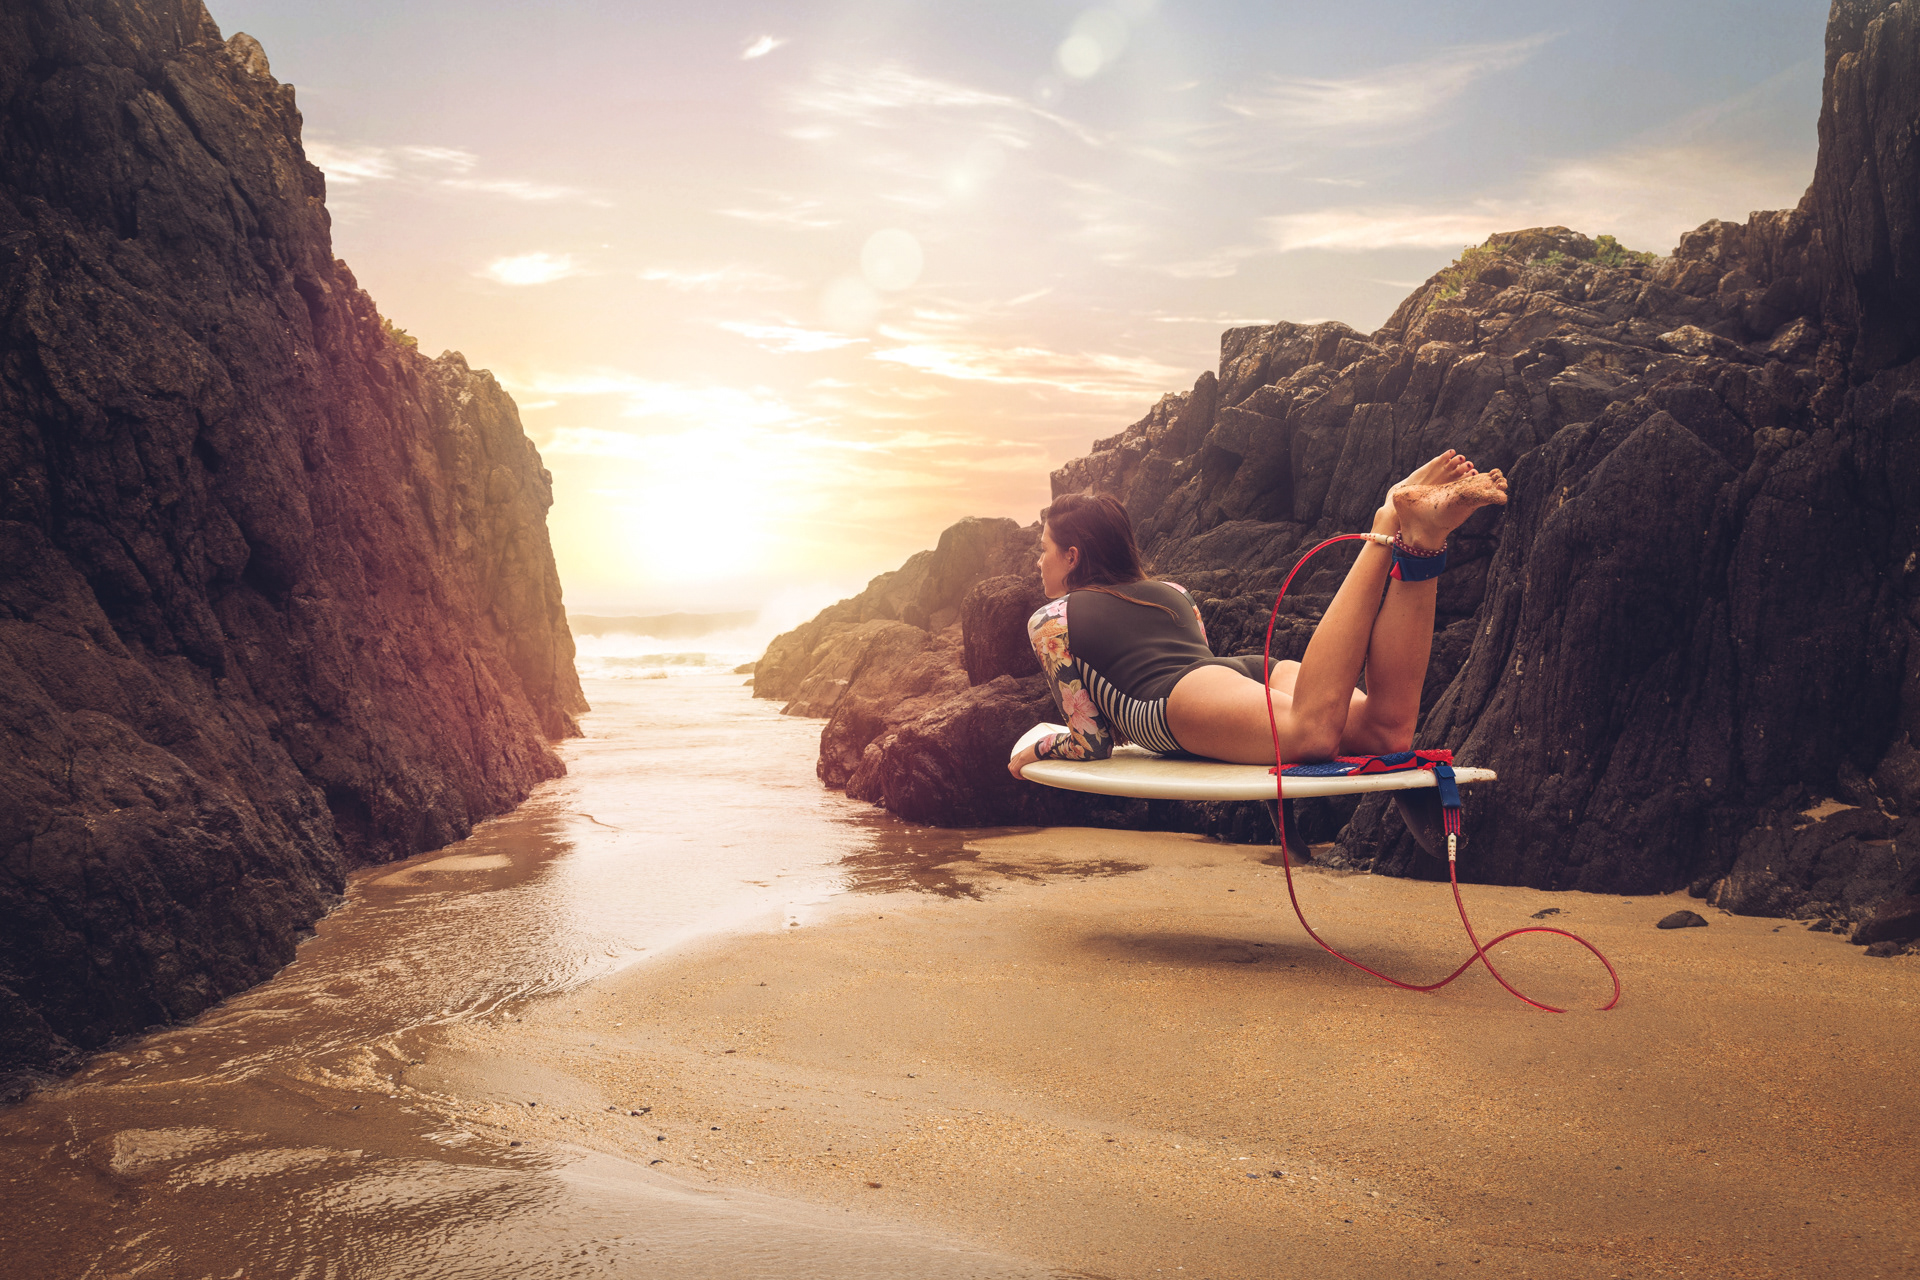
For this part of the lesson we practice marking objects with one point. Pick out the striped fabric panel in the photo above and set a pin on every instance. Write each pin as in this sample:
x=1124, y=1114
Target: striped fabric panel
x=1144, y=723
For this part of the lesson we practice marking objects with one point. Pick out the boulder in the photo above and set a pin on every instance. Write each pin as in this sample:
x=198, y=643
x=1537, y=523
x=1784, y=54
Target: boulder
x=1681, y=920
x=1896, y=920
x=993, y=627
x=969, y=551
x=948, y=766
x=833, y=666
x=1846, y=861
x=890, y=687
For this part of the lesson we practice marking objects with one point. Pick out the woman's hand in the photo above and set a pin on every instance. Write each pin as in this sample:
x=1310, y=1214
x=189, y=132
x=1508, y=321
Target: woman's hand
x=1020, y=761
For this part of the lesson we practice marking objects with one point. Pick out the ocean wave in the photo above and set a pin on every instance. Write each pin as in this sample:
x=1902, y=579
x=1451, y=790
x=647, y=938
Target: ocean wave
x=632, y=657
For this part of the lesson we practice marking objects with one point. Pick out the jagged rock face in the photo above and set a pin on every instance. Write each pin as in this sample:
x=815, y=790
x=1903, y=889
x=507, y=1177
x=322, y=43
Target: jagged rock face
x=1689, y=608
x=1866, y=187
x=276, y=594
x=1694, y=624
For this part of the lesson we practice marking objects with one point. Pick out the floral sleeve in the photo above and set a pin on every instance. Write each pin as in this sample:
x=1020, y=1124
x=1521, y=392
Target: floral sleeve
x=1089, y=738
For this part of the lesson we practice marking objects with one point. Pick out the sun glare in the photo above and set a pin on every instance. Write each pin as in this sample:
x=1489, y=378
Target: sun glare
x=695, y=506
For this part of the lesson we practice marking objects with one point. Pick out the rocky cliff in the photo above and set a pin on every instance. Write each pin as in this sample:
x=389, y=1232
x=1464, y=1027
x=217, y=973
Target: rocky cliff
x=276, y=595
x=1687, y=645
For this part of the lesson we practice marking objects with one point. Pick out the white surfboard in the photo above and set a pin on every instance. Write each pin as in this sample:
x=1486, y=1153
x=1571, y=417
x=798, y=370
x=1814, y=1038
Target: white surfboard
x=1142, y=775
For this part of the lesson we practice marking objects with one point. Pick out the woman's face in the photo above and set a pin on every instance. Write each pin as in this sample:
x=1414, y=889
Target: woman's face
x=1055, y=564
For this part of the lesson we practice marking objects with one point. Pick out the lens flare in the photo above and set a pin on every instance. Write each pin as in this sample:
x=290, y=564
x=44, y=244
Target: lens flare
x=1096, y=38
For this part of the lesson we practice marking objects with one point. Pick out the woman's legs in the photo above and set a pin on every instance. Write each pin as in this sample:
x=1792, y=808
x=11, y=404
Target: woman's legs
x=1382, y=719
x=1219, y=713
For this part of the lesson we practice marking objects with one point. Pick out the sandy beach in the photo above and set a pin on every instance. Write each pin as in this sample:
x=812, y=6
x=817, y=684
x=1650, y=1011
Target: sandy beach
x=1118, y=1055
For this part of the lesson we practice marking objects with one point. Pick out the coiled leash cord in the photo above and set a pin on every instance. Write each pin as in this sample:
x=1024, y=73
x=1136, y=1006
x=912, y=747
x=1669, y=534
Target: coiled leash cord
x=1453, y=874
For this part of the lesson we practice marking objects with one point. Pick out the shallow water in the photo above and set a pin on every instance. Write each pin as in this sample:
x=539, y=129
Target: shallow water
x=273, y=1137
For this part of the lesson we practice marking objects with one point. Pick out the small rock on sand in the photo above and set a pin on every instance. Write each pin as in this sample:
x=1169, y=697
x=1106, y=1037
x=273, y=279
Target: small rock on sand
x=1682, y=920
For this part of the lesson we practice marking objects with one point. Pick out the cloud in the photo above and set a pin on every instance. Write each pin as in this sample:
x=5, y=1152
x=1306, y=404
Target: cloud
x=1106, y=376
x=787, y=211
x=514, y=188
x=1359, y=227
x=1214, y=322
x=592, y=442
x=530, y=268
x=1217, y=265
x=893, y=97
x=1277, y=127
x=787, y=338
x=349, y=166
x=707, y=407
x=451, y=157
x=727, y=279
x=444, y=167
x=761, y=48
x=1646, y=196
x=1391, y=104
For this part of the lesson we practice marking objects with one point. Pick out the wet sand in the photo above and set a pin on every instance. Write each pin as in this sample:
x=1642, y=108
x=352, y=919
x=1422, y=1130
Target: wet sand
x=1118, y=1055
x=274, y=1136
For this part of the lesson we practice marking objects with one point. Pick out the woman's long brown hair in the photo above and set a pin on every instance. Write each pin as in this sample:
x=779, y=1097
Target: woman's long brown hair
x=1097, y=524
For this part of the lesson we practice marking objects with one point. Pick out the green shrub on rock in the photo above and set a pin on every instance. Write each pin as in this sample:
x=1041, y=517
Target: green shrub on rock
x=1609, y=252
x=396, y=335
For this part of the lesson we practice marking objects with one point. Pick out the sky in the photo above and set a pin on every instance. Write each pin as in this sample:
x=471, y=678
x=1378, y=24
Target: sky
x=783, y=290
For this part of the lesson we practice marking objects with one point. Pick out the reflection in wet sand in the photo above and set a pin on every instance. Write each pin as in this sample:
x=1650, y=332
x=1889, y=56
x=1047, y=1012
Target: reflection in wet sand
x=277, y=1134
x=946, y=864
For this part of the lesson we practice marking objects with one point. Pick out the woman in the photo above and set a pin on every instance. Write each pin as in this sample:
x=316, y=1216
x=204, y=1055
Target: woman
x=1123, y=652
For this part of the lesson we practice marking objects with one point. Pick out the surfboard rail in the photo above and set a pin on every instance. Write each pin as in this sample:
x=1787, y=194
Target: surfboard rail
x=1139, y=774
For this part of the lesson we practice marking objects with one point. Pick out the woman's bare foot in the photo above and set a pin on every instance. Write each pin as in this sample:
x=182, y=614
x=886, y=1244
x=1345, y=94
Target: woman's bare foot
x=1444, y=468
x=1428, y=513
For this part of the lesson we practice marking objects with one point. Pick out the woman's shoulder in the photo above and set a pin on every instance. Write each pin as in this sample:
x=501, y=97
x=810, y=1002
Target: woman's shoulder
x=1151, y=590
x=1052, y=610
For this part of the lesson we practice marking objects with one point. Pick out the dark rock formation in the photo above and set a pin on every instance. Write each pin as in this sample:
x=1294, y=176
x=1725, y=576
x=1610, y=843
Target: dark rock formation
x=276, y=594
x=1695, y=622
x=993, y=626
x=1896, y=920
x=1866, y=189
x=945, y=762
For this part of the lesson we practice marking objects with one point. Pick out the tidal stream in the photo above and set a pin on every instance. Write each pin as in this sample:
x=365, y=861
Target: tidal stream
x=273, y=1137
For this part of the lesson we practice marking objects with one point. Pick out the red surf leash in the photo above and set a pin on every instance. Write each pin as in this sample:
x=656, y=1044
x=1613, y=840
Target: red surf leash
x=1452, y=824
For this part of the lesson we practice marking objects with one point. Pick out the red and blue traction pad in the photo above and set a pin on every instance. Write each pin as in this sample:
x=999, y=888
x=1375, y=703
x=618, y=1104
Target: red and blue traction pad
x=1439, y=762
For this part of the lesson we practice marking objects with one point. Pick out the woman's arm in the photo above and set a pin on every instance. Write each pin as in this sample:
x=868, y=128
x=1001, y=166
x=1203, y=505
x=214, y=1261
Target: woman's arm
x=1088, y=737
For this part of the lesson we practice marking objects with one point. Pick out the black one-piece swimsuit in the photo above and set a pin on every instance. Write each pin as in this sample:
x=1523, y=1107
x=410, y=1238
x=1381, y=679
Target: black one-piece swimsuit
x=1112, y=663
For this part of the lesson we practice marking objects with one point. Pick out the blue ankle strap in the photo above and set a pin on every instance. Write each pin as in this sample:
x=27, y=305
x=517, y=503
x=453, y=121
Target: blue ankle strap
x=1416, y=568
